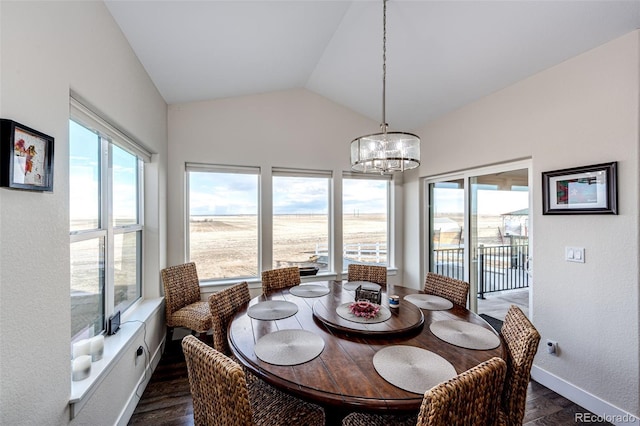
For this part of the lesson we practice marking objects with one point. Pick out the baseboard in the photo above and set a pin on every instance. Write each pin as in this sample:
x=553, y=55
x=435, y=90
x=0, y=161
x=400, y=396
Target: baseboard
x=134, y=398
x=601, y=408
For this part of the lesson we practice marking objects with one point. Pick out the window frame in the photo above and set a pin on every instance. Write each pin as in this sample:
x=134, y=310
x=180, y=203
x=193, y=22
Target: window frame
x=226, y=169
x=110, y=136
x=136, y=228
x=265, y=174
x=390, y=264
x=309, y=173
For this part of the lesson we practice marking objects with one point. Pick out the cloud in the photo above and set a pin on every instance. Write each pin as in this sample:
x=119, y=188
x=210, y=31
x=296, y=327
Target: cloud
x=222, y=193
x=364, y=196
x=231, y=193
x=300, y=195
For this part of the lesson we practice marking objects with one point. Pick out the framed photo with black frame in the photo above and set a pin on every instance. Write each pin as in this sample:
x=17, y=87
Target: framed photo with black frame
x=26, y=157
x=581, y=190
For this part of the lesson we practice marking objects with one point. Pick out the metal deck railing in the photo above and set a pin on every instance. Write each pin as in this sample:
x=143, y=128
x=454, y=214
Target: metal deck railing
x=499, y=268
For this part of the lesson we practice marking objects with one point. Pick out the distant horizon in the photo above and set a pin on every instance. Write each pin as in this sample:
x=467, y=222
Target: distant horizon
x=440, y=214
x=283, y=214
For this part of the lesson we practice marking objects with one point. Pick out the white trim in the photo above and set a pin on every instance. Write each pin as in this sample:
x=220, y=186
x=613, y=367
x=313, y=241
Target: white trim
x=324, y=179
x=291, y=172
x=583, y=398
x=115, y=346
x=138, y=391
x=466, y=175
x=390, y=213
x=80, y=111
x=127, y=229
x=76, y=236
x=221, y=168
x=355, y=175
x=522, y=163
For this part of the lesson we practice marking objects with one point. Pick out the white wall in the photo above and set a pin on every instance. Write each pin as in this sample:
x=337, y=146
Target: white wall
x=294, y=128
x=583, y=111
x=48, y=49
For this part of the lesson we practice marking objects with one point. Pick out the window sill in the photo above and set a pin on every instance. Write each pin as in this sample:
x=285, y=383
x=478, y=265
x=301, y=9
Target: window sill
x=114, y=347
x=255, y=282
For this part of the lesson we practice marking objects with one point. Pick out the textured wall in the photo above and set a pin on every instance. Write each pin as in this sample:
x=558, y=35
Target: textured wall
x=583, y=111
x=47, y=49
x=293, y=128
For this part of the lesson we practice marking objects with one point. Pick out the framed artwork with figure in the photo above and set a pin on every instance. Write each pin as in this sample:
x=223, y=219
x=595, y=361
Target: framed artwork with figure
x=26, y=157
x=581, y=190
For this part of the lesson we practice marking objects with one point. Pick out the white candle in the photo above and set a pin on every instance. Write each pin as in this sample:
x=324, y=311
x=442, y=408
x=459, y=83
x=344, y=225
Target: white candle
x=96, y=347
x=80, y=367
x=81, y=347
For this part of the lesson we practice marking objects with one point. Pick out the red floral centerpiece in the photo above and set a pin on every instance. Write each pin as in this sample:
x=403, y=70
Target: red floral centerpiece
x=365, y=309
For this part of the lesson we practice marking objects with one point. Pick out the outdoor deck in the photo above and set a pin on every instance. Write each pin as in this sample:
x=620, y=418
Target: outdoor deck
x=497, y=304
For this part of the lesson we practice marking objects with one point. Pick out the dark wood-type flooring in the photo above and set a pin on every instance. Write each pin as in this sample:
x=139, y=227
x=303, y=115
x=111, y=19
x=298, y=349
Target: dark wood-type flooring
x=167, y=400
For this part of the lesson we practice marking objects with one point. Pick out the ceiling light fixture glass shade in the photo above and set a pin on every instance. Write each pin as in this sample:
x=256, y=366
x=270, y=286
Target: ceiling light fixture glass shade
x=385, y=152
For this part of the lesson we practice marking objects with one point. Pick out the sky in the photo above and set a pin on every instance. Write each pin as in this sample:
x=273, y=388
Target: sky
x=211, y=194
x=236, y=194
x=489, y=200
x=83, y=177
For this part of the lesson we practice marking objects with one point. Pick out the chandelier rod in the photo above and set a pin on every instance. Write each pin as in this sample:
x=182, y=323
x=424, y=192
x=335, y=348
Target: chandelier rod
x=383, y=125
x=385, y=151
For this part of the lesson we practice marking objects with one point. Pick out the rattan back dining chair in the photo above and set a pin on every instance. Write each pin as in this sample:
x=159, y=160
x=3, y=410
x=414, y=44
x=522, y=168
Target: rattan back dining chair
x=372, y=273
x=369, y=419
x=522, y=340
x=182, y=300
x=223, y=305
x=223, y=397
x=275, y=279
x=470, y=398
x=457, y=291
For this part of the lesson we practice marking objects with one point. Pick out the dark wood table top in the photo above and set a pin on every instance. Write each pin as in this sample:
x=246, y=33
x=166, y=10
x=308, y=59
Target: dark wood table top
x=343, y=376
x=404, y=320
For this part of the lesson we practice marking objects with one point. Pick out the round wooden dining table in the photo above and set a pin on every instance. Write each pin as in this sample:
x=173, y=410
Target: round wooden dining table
x=342, y=378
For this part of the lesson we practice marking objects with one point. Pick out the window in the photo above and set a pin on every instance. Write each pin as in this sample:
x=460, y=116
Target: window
x=301, y=218
x=105, y=193
x=365, y=218
x=127, y=231
x=223, y=221
x=228, y=226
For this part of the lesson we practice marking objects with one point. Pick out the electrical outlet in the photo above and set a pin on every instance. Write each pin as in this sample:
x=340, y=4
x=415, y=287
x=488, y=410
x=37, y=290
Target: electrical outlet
x=552, y=347
x=139, y=353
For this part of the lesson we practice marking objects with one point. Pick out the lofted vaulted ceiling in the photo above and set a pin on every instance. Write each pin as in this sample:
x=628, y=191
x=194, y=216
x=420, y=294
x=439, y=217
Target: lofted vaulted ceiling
x=441, y=55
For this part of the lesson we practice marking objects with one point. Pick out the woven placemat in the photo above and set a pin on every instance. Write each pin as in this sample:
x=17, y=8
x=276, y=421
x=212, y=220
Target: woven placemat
x=465, y=334
x=272, y=310
x=289, y=347
x=344, y=312
x=309, y=290
x=352, y=285
x=412, y=369
x=429, y=301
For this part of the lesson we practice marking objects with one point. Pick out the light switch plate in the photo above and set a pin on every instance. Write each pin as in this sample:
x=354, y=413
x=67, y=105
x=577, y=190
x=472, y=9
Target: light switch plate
x=574, y=254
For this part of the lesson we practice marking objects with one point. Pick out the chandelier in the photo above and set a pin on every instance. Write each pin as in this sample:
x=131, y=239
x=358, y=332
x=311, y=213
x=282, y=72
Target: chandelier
x=385, y=152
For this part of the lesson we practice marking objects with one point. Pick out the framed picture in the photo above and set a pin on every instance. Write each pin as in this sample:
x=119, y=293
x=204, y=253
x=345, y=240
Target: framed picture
x=581, y=190
x=26, y=157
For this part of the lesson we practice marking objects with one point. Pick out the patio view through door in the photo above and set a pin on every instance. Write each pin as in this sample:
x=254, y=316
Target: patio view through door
x=489, y=209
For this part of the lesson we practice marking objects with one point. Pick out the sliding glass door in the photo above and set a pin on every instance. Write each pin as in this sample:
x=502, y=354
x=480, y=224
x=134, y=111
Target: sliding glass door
x=447, y=220
x=479, y=232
